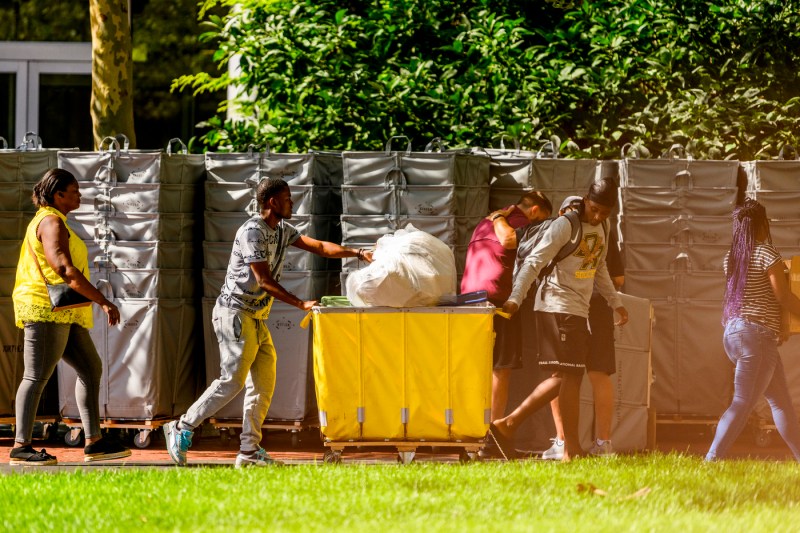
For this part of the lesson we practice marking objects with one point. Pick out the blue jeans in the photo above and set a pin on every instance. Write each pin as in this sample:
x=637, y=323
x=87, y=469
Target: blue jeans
x=753, y=348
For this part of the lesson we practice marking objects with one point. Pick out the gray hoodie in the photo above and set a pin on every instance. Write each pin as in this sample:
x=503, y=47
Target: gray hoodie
x=568, y=289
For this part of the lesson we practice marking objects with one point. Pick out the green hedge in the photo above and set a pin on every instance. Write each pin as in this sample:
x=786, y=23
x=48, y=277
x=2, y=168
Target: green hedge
x=718, y=76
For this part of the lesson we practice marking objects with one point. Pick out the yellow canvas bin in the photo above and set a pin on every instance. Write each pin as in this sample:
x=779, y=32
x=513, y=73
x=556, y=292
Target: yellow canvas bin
x=338, y=337
x=421, y=374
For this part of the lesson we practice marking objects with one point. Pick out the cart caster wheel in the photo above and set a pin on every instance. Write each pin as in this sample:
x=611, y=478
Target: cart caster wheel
x=142, y=439
x=332, y=458
x=295, y=439
x=466, y=457
x=763, y=438
x=405, y=457
x=73, y=437
x=49, y=431
x=224, y=435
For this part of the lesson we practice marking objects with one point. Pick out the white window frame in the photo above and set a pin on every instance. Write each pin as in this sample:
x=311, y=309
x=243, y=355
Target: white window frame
x=28, y=61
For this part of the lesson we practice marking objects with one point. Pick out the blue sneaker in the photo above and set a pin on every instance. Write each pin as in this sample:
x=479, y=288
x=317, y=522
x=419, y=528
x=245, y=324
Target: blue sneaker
x=178, y=442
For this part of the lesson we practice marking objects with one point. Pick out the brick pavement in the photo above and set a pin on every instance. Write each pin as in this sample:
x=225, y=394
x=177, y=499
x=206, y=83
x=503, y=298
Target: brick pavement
x=213, y=451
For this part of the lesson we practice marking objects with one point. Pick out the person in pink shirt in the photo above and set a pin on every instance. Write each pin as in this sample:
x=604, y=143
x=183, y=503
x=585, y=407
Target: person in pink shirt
x=489, y=267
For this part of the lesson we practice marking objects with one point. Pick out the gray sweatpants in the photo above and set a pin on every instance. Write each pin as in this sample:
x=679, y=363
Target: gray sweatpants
x=45, y=344
x=247, y=360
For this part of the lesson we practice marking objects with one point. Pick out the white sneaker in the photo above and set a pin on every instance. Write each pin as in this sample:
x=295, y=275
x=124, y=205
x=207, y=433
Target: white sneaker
x=257, y=458
x=604, y=449
x=554, y=452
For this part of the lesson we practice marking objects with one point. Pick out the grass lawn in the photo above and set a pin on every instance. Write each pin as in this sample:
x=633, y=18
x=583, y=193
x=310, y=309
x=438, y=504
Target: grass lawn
x=633, y=493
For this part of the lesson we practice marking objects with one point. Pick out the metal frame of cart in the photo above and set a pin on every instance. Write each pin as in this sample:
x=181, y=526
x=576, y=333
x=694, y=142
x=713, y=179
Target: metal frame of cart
x=49, y=423
x=294, y=426
x=406, y=450
x=141, y=439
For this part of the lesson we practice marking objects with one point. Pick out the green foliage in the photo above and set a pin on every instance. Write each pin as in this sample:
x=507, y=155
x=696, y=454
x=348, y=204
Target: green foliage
x=44, y=20
x=719, y=76
x=165, y=45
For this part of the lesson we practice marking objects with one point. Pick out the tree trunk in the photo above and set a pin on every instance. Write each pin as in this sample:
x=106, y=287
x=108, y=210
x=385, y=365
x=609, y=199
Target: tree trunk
x=112, y=71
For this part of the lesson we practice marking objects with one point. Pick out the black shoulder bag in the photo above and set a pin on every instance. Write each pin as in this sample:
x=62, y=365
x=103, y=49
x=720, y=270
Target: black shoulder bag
x=62, y=296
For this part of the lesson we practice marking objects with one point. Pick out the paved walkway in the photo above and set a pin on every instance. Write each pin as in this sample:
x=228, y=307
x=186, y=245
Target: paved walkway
x=212, y=451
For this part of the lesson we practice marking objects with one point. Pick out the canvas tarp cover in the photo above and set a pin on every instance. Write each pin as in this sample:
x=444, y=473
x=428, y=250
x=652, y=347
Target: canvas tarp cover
x=675, y=202
x=629, y=426
x=11, y=364
x=774, y=175
x=148, y=361
x=26, y=165
x=693, y=376
x=672, y=230
x=175, y=227
x=138, y=198
x=359, y=229
x=678, y=173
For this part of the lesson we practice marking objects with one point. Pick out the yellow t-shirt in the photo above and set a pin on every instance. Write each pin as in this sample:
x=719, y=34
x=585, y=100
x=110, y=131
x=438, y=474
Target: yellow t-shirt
x=31, y=303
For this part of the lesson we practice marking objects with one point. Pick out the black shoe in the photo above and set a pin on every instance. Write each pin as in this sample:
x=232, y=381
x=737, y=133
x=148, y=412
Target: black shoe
x=27, y=456
x=505, y=445
x=490, y=450
x=105, y=449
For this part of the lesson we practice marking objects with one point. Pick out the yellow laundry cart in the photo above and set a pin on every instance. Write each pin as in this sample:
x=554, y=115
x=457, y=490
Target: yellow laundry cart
x=403, y=377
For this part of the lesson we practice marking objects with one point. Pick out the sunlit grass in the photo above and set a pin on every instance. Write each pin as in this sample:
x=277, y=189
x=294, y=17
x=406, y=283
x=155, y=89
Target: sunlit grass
x=652, y=492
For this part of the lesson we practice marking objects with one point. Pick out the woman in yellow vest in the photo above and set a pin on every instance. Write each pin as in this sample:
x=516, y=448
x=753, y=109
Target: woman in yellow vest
x=52, y=254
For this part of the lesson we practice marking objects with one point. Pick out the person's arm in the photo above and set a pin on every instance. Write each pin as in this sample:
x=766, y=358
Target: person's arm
x=781, y=289
x=604, y=282
x=506, y=235
x=330, y=249
x=265, y=280
x=55, y=241
x=552, y=241
x=605, y=286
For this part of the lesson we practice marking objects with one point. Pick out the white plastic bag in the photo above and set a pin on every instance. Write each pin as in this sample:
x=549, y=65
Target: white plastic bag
x=409, y=269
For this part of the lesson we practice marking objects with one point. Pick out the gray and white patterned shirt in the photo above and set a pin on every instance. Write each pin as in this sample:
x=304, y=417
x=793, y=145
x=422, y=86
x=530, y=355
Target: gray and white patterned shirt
x=255, y=242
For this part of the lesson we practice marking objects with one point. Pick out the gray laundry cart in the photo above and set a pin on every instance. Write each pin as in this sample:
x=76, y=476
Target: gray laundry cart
x=442, y=192
x=675, y=222
x=633, y=422
x=11, y=364
x=140, y=218
x=20, y=169
x=149, y=362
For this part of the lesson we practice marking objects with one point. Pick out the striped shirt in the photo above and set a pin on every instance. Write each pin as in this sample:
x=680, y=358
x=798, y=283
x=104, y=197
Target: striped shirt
x=759, y=304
